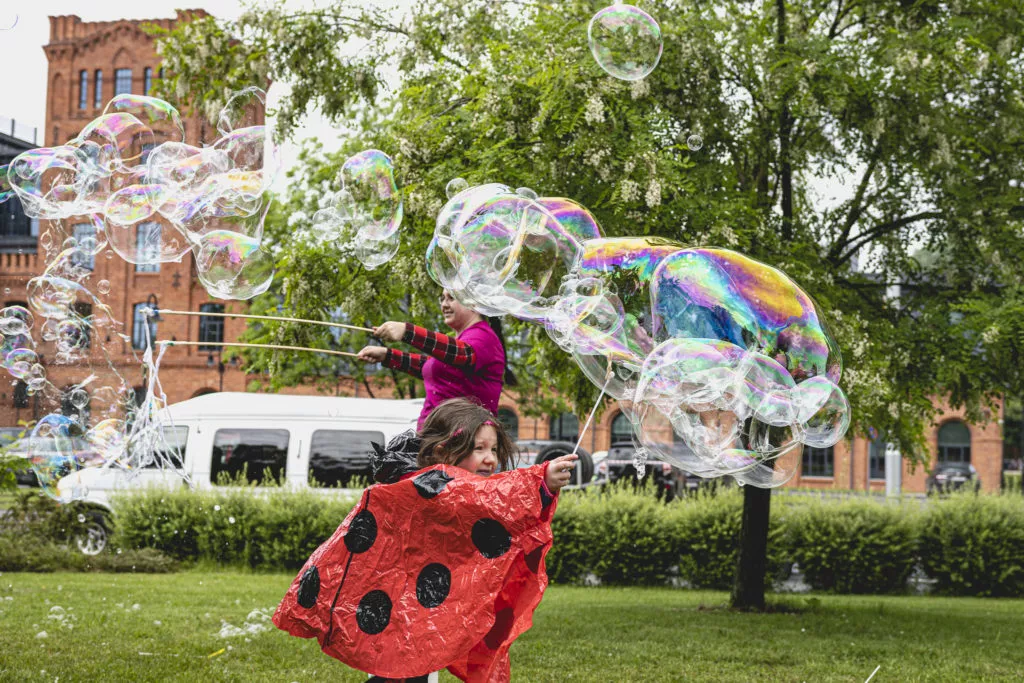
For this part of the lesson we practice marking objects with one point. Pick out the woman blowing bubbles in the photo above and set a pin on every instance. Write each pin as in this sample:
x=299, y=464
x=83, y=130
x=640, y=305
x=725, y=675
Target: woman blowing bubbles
x=469, y=365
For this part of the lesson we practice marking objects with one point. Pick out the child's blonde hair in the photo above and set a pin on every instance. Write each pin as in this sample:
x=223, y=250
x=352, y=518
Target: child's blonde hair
x=449, y=434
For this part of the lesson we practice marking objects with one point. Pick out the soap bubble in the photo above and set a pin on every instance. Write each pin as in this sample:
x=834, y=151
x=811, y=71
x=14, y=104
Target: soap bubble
x=376, y=202
x=455, y=186
x=625, y=41
x=103, y=286
x=233, y=266
x=695, y=142
x=376, y=252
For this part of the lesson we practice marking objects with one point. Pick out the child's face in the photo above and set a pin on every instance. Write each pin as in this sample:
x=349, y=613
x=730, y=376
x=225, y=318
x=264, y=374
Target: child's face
x=484, y=458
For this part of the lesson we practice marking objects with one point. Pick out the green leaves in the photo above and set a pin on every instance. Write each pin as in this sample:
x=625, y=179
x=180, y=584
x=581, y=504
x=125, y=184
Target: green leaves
x=902, y=134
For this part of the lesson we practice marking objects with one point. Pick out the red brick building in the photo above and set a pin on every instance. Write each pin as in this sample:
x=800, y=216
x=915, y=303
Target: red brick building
x=90, y=62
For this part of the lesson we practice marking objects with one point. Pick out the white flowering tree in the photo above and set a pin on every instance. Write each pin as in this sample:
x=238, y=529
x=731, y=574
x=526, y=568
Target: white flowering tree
x=843, y=139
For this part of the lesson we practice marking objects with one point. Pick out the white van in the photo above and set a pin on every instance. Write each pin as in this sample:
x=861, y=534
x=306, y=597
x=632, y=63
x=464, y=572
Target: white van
x=291, y=438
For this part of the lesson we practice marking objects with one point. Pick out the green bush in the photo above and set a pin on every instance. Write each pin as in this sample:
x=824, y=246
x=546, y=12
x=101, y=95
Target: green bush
x=974, y=545
x=1012, y=483
x=269, y=529
x=19, y=553
x=853, y=546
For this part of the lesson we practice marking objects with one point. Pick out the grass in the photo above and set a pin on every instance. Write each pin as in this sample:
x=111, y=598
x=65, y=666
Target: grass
x=584, y=634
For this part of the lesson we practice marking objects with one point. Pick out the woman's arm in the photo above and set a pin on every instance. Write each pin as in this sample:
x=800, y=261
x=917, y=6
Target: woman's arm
x=448, y=350
x=411, y=363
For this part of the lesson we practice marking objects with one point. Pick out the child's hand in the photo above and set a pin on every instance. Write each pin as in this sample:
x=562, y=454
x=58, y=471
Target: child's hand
x=559, y=472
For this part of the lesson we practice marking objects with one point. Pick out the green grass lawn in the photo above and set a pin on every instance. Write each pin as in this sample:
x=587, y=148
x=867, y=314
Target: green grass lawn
x=585, y=634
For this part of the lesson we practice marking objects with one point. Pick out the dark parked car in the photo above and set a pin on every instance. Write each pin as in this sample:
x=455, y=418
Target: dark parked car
x=668, y=481
x=953, y=476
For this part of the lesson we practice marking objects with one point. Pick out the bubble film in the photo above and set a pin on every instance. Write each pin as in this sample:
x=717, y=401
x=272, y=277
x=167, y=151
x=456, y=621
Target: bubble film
x=723, y=364
x=625, y=41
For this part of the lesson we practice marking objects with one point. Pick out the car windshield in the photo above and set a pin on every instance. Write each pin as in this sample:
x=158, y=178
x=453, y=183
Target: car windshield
x=954, y=468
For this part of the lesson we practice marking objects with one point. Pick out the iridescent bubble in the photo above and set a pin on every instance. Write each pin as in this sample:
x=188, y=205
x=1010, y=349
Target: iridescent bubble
x=243, y=109
x=134, y=203
x=233, y=266
x=376, y=202
x=122, y=140
x=625, y=41
x=103, y=287
x=147, y=242
x=155, y=113
x=373, y=253
x=79, y=398
x=694, y=142
x=5, y=186
x=455, y=186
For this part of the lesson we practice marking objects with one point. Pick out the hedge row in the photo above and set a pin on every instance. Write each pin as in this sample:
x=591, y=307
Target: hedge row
x=970, y=545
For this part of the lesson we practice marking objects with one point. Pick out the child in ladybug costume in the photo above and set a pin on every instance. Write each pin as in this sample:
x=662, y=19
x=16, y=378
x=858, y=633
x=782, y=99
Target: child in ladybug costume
x=441, y=565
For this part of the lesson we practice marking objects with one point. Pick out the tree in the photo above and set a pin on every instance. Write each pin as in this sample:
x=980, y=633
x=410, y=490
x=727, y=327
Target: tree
x=915, y=106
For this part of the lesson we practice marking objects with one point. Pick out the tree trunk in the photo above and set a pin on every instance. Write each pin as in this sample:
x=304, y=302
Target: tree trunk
x=752, y=564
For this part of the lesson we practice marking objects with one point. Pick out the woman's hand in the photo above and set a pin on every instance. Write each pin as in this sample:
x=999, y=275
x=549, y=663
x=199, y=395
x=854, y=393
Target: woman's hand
x=390, y=331
x=559, y=472
x=373, y=354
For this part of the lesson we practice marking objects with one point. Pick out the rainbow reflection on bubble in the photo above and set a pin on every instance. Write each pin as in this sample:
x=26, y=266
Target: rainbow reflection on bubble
x=625, y=41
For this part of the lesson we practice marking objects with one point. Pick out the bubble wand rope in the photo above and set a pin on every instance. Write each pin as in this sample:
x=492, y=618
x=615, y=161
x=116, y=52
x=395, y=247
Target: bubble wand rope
x=267, y=317
x=169, y=342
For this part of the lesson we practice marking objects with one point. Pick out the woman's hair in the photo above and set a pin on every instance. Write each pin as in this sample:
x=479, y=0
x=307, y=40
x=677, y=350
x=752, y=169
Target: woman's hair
x=449, y=434
x=509, y=378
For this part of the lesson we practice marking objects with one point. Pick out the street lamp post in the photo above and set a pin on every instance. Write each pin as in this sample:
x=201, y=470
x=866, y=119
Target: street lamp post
x=219, y=363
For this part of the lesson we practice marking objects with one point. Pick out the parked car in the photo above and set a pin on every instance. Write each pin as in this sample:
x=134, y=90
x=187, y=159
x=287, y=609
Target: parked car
x=300, y=442
x=953, y=476
x=669, y=482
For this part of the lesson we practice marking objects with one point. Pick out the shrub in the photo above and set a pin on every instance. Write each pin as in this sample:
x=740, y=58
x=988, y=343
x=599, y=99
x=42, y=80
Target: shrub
x=974, y=545
x=707, y=532
x=19, y=553
x=271, y=529
x=853, y=546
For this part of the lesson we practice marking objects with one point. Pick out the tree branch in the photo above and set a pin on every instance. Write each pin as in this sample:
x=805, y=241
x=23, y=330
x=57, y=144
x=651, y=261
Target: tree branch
x=879, y=230
x=858, y=206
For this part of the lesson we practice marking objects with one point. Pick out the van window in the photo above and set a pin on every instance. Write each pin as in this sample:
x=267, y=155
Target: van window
x=171, y=450
x=336, y=456
x=244, y=456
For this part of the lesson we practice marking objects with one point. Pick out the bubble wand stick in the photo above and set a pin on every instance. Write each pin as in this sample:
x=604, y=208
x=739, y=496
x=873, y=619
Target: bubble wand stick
x=168, y=342
x=266, y=317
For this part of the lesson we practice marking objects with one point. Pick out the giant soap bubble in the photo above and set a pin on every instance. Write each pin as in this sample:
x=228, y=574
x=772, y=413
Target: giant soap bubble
x=723, y=364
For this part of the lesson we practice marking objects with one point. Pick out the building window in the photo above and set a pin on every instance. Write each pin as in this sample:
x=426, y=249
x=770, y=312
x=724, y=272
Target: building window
x=21, y=394
x=147, y=147
x=122, y=81
x=621, y=429
x=147, y=80
x=139, y=321
x=818, y=462
x=98, y=88
x=211, y=328
x=954, y=442
x=147, y=248
x=83, y=88
x=69, y=409
x=84, y=313
x=565, y=427
x=510, y=422
x=876, y=458
x=84, y=257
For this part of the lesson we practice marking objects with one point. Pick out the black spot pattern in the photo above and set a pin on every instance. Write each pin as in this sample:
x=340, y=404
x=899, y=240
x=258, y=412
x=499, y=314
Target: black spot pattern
x=491, y=538
x=545, y=499
x=362, y=532
x=309, y=587
x=433, y=584
x=380, y=679
x=431, y=483
x=374, y=612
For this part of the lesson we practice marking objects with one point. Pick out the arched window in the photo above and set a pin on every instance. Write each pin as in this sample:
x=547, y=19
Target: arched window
x=83, y=88
x=565, y=427
x=818, y=462
x=98, y=87
x=622, y=430
x=954, y=442
x=510, y=421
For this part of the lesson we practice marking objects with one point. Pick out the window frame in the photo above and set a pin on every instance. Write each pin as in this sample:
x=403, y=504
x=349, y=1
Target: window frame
x=137, y=336
x=216, y=471
x=120, y=76
x=511, y=427
x=205, y=324
x=83, y=89
x=142, y=249
x=560, y=421
x=98, y=89
x=943, y=449
x=147, y=80
x=628, y=431
x=87, y=261
x=818, y=462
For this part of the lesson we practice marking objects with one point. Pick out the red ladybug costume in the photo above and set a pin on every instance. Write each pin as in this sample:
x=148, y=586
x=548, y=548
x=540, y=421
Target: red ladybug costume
x=443, y=568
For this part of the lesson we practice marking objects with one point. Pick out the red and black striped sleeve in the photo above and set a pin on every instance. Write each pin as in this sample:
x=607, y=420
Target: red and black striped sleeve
x=448, y=350
x=411, y=363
